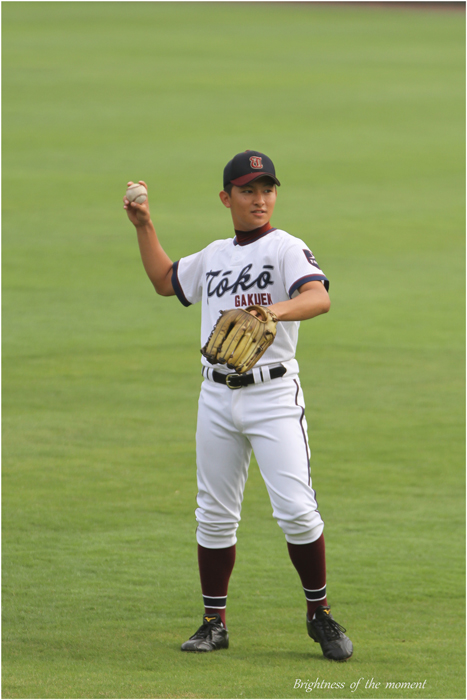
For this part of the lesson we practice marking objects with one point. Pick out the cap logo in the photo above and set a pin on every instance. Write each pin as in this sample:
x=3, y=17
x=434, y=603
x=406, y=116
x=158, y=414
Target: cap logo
x=256, y=162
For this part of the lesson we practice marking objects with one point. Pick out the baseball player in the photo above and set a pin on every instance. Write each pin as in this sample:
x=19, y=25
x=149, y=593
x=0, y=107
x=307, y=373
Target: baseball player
x=270, y=277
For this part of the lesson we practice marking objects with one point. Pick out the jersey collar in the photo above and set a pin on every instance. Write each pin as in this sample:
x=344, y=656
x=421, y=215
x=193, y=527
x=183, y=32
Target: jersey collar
x=247, y=237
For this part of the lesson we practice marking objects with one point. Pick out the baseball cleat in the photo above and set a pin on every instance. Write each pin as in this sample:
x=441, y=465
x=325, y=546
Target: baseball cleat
x=210, y=636
x=326, y=631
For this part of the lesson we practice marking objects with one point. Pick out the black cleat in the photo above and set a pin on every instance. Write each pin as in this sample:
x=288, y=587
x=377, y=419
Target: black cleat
x=211, y=635
x=324, y=629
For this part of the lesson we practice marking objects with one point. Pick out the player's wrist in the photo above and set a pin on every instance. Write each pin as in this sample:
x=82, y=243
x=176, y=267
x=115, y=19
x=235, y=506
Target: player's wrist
x=273, y=308
x=141, y=226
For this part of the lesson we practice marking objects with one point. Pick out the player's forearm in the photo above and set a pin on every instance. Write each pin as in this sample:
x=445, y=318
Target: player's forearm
x=156, y=262
x=308, y=304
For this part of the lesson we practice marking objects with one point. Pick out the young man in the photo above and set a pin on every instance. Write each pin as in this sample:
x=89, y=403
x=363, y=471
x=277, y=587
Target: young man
x=262, y=410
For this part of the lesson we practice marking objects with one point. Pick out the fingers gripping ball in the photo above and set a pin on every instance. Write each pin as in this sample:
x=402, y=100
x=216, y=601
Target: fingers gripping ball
x=240, y=338
x=137, y=193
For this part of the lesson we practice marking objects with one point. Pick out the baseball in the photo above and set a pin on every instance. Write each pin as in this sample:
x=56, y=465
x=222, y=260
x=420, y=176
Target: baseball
x=137, y=193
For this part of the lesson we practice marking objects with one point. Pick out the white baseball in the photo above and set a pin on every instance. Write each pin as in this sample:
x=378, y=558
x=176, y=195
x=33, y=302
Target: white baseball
x=137, y=193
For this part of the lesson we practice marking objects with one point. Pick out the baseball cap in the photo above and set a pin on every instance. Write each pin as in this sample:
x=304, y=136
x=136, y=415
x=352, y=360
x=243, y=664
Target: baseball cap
x=248, y=166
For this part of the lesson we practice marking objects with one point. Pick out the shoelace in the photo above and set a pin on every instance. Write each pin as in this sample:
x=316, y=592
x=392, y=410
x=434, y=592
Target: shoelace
x=205, y=630
x=331, y=627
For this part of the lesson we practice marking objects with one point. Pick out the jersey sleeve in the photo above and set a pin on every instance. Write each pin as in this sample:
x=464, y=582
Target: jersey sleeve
x=187, y=278
x=300, y=266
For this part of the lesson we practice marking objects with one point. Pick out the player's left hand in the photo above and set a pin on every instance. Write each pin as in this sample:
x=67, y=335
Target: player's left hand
x=240, y=337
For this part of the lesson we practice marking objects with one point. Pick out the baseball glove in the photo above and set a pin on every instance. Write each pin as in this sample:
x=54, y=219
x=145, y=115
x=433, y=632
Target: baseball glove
x=240, y=338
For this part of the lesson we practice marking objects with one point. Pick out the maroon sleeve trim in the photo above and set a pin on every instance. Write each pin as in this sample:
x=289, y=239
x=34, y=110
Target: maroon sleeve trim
x=308, y=278
x=177, y=286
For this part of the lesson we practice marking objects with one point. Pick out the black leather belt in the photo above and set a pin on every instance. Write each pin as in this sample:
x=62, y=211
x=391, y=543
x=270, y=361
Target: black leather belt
x=237, y=381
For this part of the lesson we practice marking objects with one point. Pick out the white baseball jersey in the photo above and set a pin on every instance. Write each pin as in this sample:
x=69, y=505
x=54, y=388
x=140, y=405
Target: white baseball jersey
x=264, y=270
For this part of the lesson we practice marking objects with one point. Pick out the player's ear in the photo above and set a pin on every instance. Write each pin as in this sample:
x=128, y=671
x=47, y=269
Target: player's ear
x=225, y=199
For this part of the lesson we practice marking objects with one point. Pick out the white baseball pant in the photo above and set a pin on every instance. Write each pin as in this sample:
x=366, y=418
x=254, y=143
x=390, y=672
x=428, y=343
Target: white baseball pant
x=270, y=419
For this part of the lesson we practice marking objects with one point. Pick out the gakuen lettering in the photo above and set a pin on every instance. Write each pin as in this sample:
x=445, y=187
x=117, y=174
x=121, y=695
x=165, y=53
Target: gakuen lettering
x=243, y=282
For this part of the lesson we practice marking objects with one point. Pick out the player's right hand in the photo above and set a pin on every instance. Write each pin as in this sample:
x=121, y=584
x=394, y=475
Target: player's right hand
x=138, y=214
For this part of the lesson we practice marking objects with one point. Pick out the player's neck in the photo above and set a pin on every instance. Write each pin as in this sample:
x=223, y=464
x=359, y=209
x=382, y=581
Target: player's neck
x=244, y=236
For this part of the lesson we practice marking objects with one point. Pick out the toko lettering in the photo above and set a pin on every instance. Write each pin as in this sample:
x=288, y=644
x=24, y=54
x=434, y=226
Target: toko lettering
x=218, y=282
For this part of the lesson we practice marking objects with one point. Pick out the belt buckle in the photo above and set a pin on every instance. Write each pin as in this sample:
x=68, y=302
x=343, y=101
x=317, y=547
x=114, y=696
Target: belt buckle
x=233, y=377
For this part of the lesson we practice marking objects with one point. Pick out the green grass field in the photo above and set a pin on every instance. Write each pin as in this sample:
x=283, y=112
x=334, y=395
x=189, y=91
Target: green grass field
x=362, y=111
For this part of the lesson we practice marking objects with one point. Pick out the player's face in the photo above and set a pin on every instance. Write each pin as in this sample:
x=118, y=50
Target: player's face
x=252, y=205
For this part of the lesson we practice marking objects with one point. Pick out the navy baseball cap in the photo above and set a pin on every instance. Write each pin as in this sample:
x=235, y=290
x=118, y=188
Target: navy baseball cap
x=248, y=166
